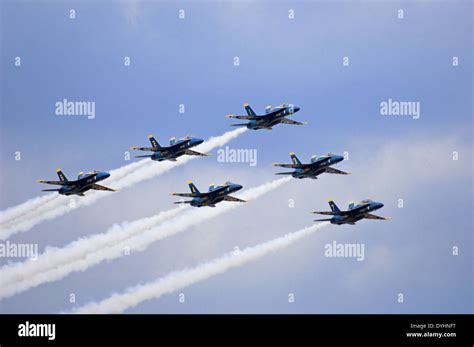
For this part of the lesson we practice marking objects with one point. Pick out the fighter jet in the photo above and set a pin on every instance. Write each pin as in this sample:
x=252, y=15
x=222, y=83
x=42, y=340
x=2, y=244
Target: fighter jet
x=317, y=166
x=272, y=117
x=216, y=194
x=176, y=149
x=84, y=182
x=355, y=212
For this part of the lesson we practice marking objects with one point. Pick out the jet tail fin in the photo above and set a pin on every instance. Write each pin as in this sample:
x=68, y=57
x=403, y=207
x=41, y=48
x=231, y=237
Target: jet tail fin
x=334, y=207
x=295, y=159
x=153, y=141
x=193, y=188
x=249, y=110
x=61, y=175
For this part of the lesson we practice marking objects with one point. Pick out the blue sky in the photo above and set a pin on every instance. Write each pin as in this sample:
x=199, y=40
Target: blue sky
x=190, y=61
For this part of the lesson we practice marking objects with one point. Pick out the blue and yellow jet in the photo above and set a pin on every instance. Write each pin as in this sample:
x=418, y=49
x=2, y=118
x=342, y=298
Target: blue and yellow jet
x=355, y=212
x=317, y=166
x=272, y=117
x=176, y=149
x=216, y=194
x=84, y=182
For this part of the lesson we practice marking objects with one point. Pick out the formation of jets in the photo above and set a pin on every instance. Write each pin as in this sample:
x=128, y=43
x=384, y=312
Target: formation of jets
x=217, y=193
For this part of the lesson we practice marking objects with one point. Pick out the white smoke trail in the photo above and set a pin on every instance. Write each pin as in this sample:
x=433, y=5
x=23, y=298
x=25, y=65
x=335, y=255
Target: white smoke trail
x=12, y=214
x=34, y=211
x=55, y=264
x=118, y=303
x=19, y=276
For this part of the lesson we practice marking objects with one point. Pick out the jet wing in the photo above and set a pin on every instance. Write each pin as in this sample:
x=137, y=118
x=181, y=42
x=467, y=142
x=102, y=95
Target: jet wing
x=373, y=216
x=187, y=195
x=241, y=117
x=289, y=121
x=291, y=166
x=190, y=152
x=53, y=182
x=144, y=156
x=330, y=213
x=152, y=149
x=60, y=183
x=335, y=171
x=231, y=198
x=99, y=187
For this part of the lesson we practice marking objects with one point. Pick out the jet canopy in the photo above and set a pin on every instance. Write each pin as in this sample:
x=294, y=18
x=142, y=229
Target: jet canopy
x=268, y=109
x=82, y=174
x=366, y=201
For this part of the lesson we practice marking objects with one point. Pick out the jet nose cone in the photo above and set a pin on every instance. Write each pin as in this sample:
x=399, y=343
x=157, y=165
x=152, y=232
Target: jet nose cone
x=197, y=141
x=296, y=109
x=105, y=175
x=237, y=187
x=378, y=205
x=339, y=158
